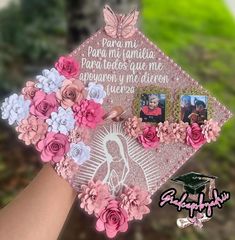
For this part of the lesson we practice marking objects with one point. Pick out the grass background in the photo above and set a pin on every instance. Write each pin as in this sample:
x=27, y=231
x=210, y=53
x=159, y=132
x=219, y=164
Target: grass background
x=199, y=35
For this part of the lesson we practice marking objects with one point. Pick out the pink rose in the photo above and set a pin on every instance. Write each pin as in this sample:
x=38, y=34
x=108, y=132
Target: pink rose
x=94, y=196
x=195, y=137
x=88, y=113
x=43, y=104
x=32, y=130
x=29, y=91
x=72, y=91
x=112, y=219
x=149, y=138
x=67, y=66
x=53, y=147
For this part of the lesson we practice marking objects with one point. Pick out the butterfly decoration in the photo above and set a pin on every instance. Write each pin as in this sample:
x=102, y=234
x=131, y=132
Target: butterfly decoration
x=118, y=25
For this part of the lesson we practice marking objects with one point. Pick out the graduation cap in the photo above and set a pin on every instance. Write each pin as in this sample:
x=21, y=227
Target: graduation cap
x=195, y=183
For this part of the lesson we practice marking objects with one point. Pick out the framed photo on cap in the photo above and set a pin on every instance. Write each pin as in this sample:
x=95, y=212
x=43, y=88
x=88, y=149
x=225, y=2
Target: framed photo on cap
x=194, y=106
x=152, y=104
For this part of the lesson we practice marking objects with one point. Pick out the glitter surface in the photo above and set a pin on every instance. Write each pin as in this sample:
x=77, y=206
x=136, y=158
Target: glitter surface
x=115, y=158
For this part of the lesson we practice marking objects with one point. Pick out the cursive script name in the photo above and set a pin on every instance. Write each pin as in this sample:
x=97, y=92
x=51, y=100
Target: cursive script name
x=217, y=200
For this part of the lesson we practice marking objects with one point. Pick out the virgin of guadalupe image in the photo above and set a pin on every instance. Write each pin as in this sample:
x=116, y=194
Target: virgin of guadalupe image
x=119, y=168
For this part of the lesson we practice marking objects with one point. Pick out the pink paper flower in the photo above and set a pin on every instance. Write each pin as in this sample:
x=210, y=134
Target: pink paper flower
x=29, y=91
x=80, y=134
x=72, y=91
x=180, y=131
x=135, y=201
x=194, y=137
x=53, y=147
x=133, y=126
x=66, y=169
x=210, y=130
x=165, y=132
x=112, y=219
x=149, y=138
x=88, y=113
x=94, y=197
x=43, y=105
x=67, y=66
x=32, y=130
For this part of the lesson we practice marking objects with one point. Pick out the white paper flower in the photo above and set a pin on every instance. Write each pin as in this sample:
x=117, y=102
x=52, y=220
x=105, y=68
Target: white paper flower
x=15, y=108
x=50, y=80
x=79, y=152
x=96, y=92
x=62, y=121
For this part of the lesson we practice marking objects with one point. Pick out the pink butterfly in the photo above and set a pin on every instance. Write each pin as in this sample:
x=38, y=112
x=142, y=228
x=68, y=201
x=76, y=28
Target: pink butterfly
x=119, y=26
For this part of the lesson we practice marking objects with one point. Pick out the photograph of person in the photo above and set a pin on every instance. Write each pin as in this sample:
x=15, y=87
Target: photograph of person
x=153, y=107
x=194, y=108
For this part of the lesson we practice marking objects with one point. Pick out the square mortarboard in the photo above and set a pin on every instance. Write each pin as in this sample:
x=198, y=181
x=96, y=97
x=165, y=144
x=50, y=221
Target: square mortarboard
x=194, y=183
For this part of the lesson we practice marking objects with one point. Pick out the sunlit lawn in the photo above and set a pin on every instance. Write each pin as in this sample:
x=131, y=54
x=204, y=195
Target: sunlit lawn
x=200, y=36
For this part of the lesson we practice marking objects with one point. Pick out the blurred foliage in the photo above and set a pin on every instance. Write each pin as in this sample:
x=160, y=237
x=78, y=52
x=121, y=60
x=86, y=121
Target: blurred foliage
x=31, y=36
x=199, y=35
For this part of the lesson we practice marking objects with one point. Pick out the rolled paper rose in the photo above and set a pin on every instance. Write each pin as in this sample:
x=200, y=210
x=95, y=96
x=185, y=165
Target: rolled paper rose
x=32, y=130
x=53, y=147
x=149, y=138
x=43, y=105
x=88, y=113
x=195, y=137
x=112, y=219
x=96, y=92
x=79, y=152
x=94, y=197
x=29, y=90
x=135, y=200
x=72, y=91
x=67, y=66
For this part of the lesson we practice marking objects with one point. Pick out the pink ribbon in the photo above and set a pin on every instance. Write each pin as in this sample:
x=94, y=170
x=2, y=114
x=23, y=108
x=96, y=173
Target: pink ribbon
x=196, y=221
x=115, y=114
